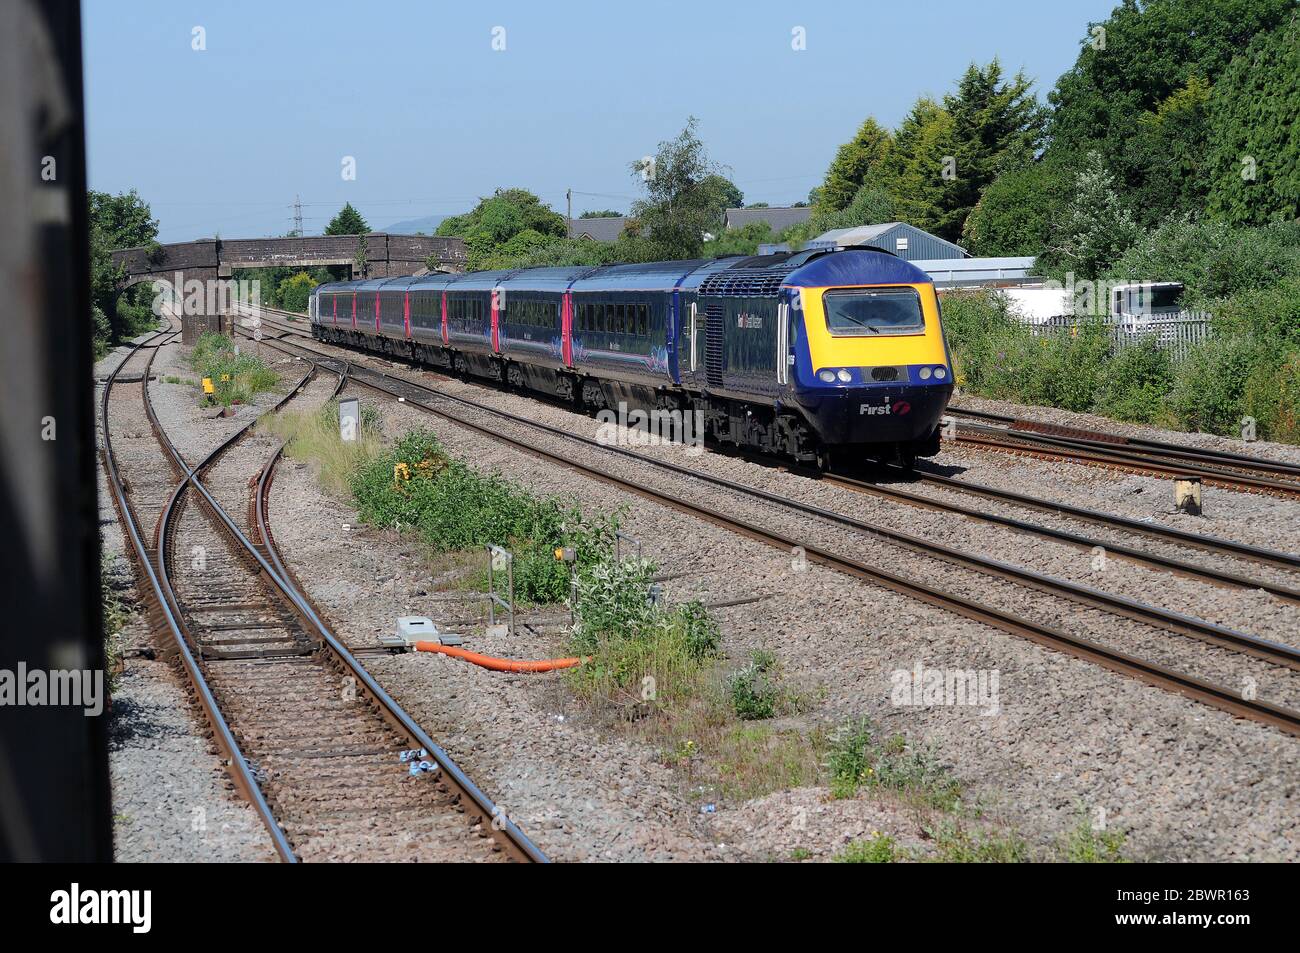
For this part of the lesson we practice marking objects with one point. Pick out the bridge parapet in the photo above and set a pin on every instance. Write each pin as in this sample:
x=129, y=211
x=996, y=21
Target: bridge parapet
x=386, y=255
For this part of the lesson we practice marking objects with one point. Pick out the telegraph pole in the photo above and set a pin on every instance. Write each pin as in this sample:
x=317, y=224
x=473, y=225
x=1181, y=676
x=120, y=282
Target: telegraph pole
x=568, y=227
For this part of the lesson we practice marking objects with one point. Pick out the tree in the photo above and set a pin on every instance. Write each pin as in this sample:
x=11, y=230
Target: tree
x=685, y=196
x=1144, y=52
x=1096, y=228
x=603, y=213
x=1161, y=172
x=1014, y=215
x=996, y=125
x=912, y=172
x=124, y=221
x=347, y=222
x=722, y=193
x=1253, y=170
x=117, y=221
x=500, y=218
x=852, y=166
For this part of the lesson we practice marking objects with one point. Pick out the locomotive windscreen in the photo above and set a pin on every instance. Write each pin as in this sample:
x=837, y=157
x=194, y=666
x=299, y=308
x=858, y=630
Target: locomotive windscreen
x=875, y=311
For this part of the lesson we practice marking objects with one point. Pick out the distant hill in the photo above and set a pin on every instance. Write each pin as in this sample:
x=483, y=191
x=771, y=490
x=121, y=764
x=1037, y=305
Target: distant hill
x=409, y=226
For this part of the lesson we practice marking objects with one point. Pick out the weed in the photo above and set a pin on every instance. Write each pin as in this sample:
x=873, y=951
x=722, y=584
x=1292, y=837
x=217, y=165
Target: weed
x=754, y=691
x=875, y=849
x=313, y=435
x=236, y=378
x=957, y=843
x=857, y=759
x=1083, y=845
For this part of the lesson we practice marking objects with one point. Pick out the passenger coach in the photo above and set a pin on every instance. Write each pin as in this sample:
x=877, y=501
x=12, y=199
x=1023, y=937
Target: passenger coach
x=817, y=355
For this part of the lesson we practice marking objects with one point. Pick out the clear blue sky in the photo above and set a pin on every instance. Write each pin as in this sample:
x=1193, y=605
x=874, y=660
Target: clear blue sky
x=220, y=140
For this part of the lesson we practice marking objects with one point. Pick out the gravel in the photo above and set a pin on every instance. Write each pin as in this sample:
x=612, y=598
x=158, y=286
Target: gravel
x=172, y=798
x=1186, y=781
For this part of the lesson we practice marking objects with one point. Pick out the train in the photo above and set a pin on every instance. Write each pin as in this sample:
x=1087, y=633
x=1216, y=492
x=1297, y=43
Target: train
x=826, y=357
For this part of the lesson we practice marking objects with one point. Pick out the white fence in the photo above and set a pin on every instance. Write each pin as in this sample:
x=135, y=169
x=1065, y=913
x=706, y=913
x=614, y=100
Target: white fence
x=1175, y=333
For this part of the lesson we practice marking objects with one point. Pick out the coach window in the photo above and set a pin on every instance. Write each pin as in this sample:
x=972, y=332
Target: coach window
x=643, y=319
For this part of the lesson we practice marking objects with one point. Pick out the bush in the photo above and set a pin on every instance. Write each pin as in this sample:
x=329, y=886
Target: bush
x=1134, y=383
x=857, y=760
x=453, y=507
x=235, y=377
x=1211, y=259
x=1210, y=384
x=753, y=689
x=636, y=647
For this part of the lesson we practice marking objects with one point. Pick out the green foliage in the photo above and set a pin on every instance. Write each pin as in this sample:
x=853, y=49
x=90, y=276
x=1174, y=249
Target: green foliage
x=1095, y=228
x=235, y=377
x=1144, y=54
x=117, y=221
x=996, y=125
x=313, y=435
x=877, y=849
x=852, y=167
x=1211, y=259
x=601, y=213
x=987, y=125
x=636, y=648
x=1014, y=215
x=125, y=220
x=1083, y=845
x=740, y=241
x=858, y=759
x=958, y=843
x=294, y=292
x=1134, y=382
x=505, y=226
x=1253, y=113
x=754, y=691
x=912, y=172
x=1161, y=170
x=453, y=507
x=685, y=197
x=347, y=222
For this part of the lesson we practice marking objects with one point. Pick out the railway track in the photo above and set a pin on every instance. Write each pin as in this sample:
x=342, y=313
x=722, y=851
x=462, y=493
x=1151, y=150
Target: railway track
x=452, y=407
x=332, y=765
x=1214, y=467
x=1226, y=548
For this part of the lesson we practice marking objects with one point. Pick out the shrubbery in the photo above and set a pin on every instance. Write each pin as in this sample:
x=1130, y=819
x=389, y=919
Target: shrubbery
x=453, y=507
x=235, y=377
x=637, y=648
x=1249, y=367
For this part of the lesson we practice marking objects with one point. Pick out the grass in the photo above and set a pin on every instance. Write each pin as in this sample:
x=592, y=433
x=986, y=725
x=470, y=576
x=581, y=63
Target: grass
x=236, y=378
x=415, y=484
x=876, y=849
x=116, y=614
x=313, y=436
x=858, y=758
x=754, y=691
x=642, y=655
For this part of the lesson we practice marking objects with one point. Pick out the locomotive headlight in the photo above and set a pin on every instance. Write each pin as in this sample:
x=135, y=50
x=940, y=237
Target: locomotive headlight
x=827, y=376
x=925, y=373
x=940, y=373
x=845, y=376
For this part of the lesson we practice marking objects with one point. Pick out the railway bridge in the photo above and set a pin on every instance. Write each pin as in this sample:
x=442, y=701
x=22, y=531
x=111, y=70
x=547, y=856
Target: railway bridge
x=375, y=255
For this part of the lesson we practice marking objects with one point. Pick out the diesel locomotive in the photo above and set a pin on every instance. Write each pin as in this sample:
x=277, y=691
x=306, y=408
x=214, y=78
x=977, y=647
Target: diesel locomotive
x=821, y=356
